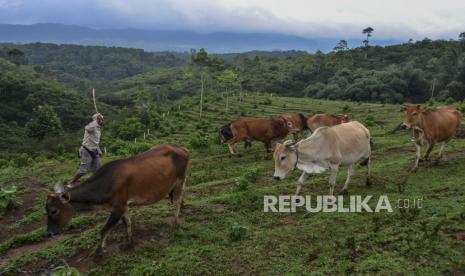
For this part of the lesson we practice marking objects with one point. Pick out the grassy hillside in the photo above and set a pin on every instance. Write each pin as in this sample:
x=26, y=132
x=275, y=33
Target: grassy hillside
x=224, y=229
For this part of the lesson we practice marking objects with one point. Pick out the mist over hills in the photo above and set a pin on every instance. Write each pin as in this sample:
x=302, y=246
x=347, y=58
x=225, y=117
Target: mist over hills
x=169, y=40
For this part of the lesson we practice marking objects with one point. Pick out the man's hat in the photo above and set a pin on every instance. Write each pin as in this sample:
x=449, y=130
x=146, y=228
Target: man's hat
x=97, y=115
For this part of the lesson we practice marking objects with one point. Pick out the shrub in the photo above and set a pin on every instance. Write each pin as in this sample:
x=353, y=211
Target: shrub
x=237, y=232
x=199, y=140
x=450, y=101
x=431, y=102
x=267, y=101
x=369, y=121
x=346, y=108
x=242, y=182
x=8, y=199
x=118, y=147
x=136, y=148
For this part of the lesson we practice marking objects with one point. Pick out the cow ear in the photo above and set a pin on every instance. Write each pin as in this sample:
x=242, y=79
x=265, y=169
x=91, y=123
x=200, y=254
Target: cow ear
x=289, y=143
x=65, y=197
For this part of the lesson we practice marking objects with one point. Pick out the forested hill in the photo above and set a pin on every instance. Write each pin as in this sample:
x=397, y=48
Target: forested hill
x=52, y=83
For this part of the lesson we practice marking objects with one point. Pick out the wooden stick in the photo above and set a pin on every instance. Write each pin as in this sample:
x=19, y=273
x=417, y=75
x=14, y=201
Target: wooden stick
x=95, y=102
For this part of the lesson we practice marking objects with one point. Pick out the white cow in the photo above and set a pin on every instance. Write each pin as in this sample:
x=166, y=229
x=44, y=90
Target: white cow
x=326, y=148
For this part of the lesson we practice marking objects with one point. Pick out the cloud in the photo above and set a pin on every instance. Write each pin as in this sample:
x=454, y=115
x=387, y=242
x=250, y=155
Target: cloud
x=398, y=19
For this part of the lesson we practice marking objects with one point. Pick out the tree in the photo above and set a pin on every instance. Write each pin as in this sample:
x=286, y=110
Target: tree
x=16, y=56
x=202, y=61
x=341, y=46
x=367, y=32
x=228, y=78
x=44, y=123
x=462, y=40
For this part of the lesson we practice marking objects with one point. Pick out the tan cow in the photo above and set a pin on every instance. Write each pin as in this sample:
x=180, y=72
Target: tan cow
x=326, y=148
x=326, y=119
x=430, y=127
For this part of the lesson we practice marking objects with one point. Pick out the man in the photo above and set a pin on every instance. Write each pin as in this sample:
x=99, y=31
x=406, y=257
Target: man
x=90, y=151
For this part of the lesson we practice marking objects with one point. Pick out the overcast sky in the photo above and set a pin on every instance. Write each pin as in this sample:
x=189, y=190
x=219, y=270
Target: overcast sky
x=393, y=19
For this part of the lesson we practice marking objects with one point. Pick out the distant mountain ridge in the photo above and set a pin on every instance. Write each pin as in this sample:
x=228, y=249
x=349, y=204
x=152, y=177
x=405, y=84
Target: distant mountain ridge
x=168, y=40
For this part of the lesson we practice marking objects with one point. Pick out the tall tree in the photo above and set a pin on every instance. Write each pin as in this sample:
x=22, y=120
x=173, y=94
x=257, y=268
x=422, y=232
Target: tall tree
x=462, y=40
x=228, y=78
x=201, y=61
x=341, y=46
x=367, y=31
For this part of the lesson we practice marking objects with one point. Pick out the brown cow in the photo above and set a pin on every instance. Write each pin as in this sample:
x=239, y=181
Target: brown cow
x=430, y=127
x=326, y=119
x=296, y=123
x=139, y=180
x=250, y=128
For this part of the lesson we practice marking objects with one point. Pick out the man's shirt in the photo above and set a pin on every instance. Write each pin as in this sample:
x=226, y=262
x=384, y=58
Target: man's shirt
x=92, y=136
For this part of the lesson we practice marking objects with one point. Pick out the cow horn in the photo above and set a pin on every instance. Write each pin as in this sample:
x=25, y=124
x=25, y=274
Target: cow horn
x=59, y=187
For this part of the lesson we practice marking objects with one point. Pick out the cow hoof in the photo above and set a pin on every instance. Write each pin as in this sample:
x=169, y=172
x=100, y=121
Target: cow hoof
x=343, y=192
x=414, y=169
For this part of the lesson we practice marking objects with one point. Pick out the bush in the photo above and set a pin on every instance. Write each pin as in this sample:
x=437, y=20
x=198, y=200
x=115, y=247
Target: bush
x=450, y=101
x=118, y=147
x=267, y=101
x=199, y=141
x=369, y=121
x=136, y=148
x=431, y=102
x=8, y=199
x=237, y=232
x=346, y=108
x=242, y=182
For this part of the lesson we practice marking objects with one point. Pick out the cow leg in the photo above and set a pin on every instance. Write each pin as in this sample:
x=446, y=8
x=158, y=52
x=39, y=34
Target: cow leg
x=368, y=181
x=115, y=216
x=127, y=222
x=231, y=149
x=428, y=151
x=301, y=181
x=178, y=193
x=267, y=149
x=332, y=178
x=441, y=152
x=417, y=158
x=350, y=172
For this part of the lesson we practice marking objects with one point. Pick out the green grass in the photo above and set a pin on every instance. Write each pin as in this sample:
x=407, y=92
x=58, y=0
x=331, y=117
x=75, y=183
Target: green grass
x=225, y=230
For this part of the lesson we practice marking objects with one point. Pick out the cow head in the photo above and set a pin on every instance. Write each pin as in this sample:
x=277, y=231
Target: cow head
x=59, y=211
x=285, y=159
x=225, y=134
x=412, y=114
x=345, y=118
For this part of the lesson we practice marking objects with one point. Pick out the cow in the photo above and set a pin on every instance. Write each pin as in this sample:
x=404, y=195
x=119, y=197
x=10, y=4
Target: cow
x=139, y=180
x=296, y=123
x=250, y=128
x=326, y=119
x=326, y=148
x=430, y=127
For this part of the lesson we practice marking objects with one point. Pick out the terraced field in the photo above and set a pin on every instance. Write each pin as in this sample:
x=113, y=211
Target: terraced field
x=224, y=229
